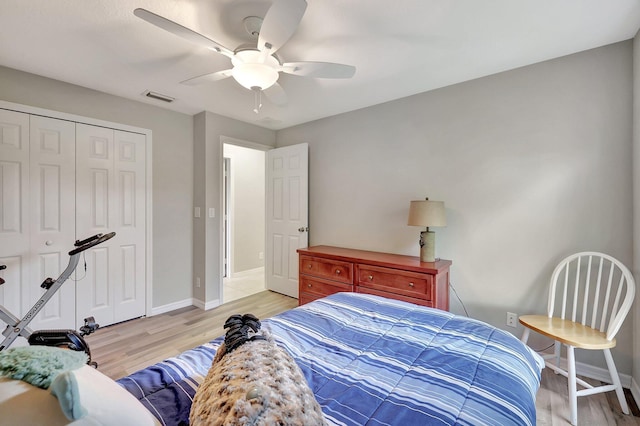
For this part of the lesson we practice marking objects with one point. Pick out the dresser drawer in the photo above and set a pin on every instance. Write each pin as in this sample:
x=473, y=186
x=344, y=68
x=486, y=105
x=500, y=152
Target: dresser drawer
x=334, y=270
x=321, y=287
x=412, y=284
x=396, y=296
x=307, y=297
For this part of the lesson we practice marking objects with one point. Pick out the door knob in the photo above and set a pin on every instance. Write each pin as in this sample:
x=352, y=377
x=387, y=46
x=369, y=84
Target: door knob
x=303, y=229
x=48, y=242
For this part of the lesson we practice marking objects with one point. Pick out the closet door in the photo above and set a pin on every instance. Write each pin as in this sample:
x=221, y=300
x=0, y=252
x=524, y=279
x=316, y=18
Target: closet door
x=52, y=216
x=14, y=212
x=111, y=192
x=95, y=208
x=129, y=220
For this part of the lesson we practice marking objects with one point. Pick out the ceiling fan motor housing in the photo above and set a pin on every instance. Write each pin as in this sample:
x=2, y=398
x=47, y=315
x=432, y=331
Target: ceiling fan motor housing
x=252, y=25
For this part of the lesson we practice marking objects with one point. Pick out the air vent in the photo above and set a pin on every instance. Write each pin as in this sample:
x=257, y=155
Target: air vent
x=158, y=96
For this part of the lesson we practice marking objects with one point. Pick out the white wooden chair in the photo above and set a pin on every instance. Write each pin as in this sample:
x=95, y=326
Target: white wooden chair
x=589, y=297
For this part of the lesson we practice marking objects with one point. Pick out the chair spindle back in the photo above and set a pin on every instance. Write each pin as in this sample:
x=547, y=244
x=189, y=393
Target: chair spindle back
x=596, y=290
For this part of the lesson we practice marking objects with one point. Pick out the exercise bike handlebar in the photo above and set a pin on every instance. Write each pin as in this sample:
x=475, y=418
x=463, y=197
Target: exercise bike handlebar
x=91, y=242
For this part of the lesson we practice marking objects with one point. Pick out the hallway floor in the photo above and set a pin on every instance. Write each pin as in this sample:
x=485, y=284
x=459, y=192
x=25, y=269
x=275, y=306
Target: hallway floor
x=243, y=284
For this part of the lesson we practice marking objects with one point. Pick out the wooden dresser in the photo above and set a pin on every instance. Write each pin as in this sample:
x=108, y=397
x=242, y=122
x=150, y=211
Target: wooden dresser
x=325, y=270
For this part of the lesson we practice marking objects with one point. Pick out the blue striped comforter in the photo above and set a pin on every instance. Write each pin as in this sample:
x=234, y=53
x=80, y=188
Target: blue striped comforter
x=377, y=361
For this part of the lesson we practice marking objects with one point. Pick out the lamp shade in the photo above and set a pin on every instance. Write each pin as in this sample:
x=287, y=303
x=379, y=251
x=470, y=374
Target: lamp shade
x=427, y=213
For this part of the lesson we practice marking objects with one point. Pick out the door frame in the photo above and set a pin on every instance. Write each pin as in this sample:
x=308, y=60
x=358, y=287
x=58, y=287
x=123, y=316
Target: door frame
x=245, y=144
x=148, y=177
x=227, y=266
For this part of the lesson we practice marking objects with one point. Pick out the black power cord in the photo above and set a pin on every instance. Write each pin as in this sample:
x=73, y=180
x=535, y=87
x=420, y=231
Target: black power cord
x=460, y=300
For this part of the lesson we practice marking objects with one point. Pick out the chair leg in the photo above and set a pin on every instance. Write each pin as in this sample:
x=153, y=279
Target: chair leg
x=616, y=381
x=573, y=396
x=557, y=346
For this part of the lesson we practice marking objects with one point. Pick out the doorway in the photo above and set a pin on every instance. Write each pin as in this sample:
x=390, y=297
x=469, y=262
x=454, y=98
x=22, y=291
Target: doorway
x=243, y=221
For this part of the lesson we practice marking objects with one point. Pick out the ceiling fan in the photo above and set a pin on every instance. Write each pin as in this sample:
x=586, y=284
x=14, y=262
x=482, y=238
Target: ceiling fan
x=257, y=68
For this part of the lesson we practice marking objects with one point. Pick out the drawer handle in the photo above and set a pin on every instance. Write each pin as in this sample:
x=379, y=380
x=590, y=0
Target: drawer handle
x=370, y=277
x=338, y=271
x=309, y=266
x=410, y=284
x=309, y=285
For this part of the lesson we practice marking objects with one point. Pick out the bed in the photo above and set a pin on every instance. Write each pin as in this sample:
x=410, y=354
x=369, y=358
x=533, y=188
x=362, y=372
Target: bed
x=376, y=361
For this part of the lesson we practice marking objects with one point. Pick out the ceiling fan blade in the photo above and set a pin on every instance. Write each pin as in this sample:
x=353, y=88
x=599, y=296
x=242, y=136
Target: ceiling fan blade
x=208, y=78
x=276, y=95
x=279, y=24
x=319, y=69
x=181, y=31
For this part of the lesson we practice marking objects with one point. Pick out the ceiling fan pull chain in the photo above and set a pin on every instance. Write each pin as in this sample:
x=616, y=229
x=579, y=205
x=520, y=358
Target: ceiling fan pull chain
x=258, y=99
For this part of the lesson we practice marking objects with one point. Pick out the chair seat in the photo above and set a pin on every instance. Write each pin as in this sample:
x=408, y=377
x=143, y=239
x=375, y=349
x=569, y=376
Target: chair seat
x=568, y=332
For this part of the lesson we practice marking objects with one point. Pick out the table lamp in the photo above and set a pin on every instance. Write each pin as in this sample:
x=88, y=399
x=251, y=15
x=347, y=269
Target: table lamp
x=427, y=213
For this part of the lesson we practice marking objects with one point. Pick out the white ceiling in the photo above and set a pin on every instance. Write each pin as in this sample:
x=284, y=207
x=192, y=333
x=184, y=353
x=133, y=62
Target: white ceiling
x=399, y=48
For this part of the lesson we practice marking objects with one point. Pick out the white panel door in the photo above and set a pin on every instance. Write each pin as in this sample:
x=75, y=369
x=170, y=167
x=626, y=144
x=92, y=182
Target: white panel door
x=129, y=221
x=111, y=191
x=52, y=216
x=287, y=216
x=95, y=195
x=14, y=213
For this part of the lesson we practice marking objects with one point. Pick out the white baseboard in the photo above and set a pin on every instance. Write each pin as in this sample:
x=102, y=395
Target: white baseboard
x=183, y=304
x=246, y=272
x=635, y=391
x=206, y=306
x=599, y=373
x=171, y=306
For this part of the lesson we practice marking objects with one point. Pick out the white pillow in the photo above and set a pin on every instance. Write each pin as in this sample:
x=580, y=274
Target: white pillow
x=24, y=404
x=89, y=397
x=104, y=401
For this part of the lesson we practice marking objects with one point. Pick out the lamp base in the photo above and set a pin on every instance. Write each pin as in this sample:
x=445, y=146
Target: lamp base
x=428, y=246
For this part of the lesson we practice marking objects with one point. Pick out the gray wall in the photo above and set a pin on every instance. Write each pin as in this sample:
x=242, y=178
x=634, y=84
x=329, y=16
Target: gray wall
x=172, y=164
x=209, y=130
x=247, y=206
x=532, y=164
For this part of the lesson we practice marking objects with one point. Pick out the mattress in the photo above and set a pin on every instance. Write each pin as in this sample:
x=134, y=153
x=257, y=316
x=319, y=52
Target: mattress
x=376, y=361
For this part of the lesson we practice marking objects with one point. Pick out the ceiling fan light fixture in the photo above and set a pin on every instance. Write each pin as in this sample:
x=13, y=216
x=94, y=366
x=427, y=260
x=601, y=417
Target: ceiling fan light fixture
x=252, y=75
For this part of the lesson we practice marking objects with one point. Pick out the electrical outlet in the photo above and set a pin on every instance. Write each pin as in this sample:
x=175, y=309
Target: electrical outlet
x=197, y=281
x=512, y=319
x=261, y=255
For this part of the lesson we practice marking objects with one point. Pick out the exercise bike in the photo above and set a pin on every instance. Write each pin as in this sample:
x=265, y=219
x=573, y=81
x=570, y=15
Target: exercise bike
x=68, y=339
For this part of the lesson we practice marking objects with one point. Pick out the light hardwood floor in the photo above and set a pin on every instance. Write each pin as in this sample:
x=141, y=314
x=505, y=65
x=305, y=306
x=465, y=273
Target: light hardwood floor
x=124, y=348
